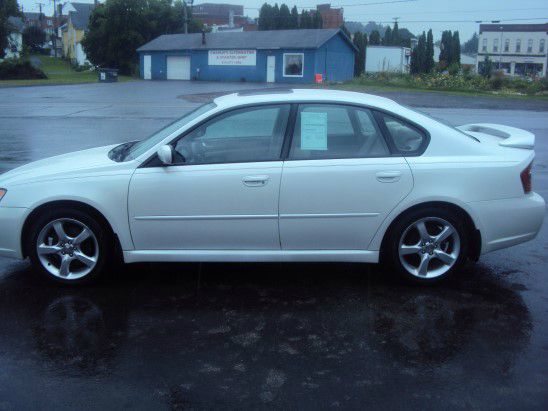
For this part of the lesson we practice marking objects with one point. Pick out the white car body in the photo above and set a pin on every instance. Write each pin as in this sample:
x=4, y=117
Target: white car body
x=299, y=210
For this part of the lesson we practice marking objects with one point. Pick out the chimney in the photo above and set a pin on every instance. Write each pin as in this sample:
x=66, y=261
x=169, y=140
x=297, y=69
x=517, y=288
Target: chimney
x=203, y=38
x=59, y=10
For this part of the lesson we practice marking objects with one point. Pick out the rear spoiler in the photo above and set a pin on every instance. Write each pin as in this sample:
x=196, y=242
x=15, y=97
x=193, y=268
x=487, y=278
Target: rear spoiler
x=511, y=136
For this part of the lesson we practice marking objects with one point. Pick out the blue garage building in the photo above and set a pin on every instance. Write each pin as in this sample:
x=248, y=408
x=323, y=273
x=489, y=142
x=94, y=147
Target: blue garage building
x=285, y=56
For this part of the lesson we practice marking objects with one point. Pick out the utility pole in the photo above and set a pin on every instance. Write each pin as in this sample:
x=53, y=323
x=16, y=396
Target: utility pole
x=55, y=29
x=186, y=17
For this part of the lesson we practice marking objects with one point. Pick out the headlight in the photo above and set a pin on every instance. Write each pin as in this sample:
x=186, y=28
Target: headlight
x=3, y=192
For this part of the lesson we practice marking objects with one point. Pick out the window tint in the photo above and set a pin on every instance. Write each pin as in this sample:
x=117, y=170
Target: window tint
x=245, y=135
x=335, y=131
x=407, y=138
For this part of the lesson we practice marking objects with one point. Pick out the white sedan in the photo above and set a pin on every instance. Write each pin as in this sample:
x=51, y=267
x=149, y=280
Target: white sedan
x=294, y=175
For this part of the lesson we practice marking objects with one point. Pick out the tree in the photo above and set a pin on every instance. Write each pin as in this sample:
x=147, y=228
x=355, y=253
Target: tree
x=387, y=39
x=294, y=18
x=117, y=28
x=360, y=41
x=345, y=30
x=34, y=38
x=486, y=69
x=266, y=17
x=306, y=20
x=446, y=49
x=275, y=17
x=471, y=46
x=7, y=8
x=418, y=56
x=455, y=49
x=317, y=21
x=429, y=55
x=375, y=38
x=396, y=39
x=284, y=17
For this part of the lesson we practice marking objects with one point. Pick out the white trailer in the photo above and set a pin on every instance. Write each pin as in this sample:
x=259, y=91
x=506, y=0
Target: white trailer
x=387, y=59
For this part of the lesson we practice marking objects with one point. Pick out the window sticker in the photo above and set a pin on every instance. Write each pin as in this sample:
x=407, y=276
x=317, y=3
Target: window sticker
x=313, y=131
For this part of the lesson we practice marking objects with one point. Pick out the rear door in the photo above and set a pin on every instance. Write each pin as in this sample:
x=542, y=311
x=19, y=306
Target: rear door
x=340, y=179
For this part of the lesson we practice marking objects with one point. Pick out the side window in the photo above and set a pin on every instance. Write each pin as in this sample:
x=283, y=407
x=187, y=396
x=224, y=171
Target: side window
x=325, y=131
x=244, y=135
x=406, y=138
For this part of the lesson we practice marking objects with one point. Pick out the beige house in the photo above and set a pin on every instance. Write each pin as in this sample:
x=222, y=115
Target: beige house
x=516, y=49
x=74, y=30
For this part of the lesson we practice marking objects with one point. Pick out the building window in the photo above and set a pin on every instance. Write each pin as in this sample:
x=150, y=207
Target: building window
x=506, y=45
x=293, y=64
x=495, y=45
x=484, y=46
x=530, y=46
x=518, y=46
x=541, y=46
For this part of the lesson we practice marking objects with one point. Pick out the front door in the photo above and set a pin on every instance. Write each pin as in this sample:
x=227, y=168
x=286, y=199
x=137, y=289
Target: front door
x=270, y=69
x=222, y=192
x=340, y=180
x=147, y=67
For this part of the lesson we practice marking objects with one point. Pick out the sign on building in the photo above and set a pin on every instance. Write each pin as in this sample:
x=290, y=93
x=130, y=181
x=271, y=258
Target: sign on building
x=232, y=58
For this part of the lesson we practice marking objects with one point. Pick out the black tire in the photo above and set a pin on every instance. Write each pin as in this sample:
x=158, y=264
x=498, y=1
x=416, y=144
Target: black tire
x=102, y=235
x=390, y=256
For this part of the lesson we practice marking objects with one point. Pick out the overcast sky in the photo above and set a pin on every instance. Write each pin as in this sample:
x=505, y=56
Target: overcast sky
x=416, y=15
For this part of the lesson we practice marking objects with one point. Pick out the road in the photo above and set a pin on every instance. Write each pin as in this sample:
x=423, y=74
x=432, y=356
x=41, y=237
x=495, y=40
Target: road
x=205, y=336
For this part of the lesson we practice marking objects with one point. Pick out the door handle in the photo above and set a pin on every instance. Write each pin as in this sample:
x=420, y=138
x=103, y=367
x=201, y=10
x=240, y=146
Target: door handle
x=255, y=181
x=388, y=176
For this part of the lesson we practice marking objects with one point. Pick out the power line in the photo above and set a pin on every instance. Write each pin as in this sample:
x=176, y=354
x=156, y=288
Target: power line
x=454, y=11
x=344, y=5
x=454, y=21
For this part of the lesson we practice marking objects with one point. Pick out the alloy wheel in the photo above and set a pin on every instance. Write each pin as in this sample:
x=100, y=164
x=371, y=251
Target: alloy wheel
x=429, y=247
x=67, y=248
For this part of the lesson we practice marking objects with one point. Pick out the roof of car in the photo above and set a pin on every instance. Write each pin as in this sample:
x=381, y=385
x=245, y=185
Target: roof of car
x=315, y=95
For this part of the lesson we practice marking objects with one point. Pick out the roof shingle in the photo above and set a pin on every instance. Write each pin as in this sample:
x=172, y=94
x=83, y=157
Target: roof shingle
x=274, y=39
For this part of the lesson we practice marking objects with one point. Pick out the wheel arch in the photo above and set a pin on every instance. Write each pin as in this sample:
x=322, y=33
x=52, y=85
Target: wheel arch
x=473, y=229
x=79, y=205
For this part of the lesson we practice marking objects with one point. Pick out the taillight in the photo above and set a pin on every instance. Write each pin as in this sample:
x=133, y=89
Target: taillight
x=526, y=180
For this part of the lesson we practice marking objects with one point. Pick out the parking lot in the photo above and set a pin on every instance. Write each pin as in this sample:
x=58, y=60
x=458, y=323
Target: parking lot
x=204, y=336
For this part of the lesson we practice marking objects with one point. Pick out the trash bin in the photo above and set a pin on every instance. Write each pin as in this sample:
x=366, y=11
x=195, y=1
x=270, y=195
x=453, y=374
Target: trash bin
x=107, y=75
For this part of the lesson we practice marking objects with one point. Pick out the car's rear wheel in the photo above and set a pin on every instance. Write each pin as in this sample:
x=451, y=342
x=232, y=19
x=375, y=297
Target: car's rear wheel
x=428, y=245
x=68, y=246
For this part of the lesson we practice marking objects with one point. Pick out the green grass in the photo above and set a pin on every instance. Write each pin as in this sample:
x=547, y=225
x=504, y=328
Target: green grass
x=59, y=72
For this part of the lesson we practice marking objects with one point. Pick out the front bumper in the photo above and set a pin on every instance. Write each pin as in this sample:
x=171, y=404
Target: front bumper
x=510, y=221
x=11, y=225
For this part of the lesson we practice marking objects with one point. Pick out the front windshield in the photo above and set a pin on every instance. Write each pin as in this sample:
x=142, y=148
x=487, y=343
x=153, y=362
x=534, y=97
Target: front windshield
x=132, y=150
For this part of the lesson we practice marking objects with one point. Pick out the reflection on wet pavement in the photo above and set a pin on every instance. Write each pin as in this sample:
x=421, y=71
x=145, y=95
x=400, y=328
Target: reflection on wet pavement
x=214, y=335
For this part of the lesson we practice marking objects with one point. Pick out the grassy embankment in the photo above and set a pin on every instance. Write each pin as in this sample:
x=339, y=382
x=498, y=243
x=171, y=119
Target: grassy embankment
x=59, y=72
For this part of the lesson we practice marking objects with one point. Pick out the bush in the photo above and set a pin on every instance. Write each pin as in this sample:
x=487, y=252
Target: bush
x=19, y=70
x=467, y=81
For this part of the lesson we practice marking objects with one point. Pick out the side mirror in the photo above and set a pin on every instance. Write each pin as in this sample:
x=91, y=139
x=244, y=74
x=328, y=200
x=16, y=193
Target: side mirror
x=165, y=154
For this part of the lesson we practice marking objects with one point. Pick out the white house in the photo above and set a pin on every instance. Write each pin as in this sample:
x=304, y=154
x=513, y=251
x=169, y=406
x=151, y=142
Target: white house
x=387, y=58
x=15, y=39
x=518, y=49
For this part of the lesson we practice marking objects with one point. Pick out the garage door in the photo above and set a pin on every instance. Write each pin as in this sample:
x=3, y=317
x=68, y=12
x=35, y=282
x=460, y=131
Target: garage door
x=178, y=68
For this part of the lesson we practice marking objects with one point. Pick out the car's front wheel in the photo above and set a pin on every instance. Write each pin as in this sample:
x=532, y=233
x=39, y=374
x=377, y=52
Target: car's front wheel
x=68, y=246
x=428, y=245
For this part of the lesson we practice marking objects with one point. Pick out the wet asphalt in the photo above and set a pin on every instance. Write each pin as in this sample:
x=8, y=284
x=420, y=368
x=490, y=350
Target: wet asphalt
x=263, y=336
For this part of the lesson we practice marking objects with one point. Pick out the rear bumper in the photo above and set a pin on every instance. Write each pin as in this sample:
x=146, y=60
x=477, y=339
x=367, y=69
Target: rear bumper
x=11, y=224
x=508, y=222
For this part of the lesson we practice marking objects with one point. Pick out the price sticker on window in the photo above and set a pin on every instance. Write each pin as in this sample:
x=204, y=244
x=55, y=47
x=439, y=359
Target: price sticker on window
x=313, y=131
